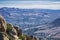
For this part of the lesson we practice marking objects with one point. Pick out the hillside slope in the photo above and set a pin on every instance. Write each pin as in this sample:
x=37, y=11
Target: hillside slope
x=12, y=32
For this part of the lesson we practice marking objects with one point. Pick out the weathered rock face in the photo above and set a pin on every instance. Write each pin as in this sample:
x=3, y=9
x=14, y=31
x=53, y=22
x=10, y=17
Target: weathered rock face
x=13, y=30
x=13, y=33
x=3, y=37
x=2, y=24
x=3, y=28
x=19, y=31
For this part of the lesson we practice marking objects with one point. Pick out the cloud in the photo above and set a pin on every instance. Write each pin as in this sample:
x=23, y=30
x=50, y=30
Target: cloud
x=33, y=4
x=29, y=0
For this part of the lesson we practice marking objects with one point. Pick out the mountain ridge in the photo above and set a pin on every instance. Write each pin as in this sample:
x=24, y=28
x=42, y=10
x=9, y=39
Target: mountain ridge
x=33, y=20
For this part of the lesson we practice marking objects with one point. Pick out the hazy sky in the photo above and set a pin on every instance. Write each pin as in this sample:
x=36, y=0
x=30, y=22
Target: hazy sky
x=43, y=4
x=29, y=0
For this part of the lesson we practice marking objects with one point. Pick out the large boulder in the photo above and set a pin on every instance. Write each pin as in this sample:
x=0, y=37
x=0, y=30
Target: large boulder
x=3, y=26
x=19, y=31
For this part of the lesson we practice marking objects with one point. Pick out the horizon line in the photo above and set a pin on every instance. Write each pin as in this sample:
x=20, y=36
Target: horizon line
x=29, y=8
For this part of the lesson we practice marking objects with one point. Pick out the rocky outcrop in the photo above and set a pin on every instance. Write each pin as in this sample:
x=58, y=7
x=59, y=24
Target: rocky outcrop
x=12, y=32
x=2, y=24
x=19, y=31
x=3, y=28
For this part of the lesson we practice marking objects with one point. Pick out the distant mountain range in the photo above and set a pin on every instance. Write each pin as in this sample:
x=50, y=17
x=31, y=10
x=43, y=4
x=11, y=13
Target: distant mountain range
x=40, y=22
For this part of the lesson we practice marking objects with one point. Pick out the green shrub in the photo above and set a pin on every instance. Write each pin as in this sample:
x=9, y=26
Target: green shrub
x=23, y=37
x=9, y=27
